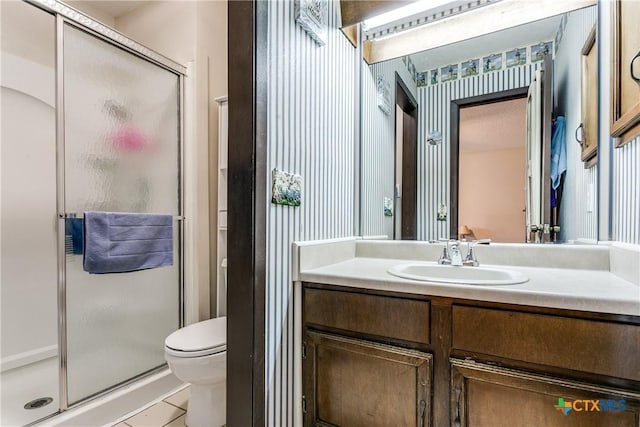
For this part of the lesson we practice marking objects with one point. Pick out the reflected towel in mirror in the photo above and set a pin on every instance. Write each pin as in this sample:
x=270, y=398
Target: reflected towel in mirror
x=558, y=152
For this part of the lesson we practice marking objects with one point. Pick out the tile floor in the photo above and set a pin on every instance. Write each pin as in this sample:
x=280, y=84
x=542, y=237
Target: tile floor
x=170, y=412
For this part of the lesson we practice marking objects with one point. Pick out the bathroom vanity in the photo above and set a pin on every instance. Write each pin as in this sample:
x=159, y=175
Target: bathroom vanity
x=377, y=350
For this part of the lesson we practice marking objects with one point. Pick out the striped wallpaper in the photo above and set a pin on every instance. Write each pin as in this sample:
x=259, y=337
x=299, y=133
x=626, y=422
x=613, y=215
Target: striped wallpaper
x=624, y=163
x=311, y=128
x=578, y=211
x=433, y=161
x=377, y=133
x=626, y=193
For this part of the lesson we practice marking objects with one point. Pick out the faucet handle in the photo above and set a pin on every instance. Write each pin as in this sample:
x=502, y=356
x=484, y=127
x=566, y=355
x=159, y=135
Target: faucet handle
x=444, y=258
x=471, y=259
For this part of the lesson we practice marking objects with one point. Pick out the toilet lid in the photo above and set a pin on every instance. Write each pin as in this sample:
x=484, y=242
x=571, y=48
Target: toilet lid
x=208, y=336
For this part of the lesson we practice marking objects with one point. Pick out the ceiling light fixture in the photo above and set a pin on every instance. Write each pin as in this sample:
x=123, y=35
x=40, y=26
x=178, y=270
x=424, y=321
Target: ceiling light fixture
x=402, y=12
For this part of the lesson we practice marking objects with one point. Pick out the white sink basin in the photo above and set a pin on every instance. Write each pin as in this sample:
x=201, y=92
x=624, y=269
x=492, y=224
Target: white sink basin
x=486, y=276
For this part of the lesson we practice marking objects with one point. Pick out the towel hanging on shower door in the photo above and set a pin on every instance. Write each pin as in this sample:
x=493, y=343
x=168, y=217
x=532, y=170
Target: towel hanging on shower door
x=117, y=242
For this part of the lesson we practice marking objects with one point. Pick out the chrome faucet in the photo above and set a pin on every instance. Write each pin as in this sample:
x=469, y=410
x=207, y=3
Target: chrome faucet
x=451, y=254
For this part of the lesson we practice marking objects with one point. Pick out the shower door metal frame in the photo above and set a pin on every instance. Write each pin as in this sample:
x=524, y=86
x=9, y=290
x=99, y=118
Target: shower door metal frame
x=66, y=15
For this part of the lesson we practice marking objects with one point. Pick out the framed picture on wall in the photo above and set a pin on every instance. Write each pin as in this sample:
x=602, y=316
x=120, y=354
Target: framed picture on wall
x=538, y=51
x=516, y=57
x=384, y=94
x=448, y=73
x=312, y=15
x=470, y=67
x=422, y=78
x=492, y=62
x=434, y=76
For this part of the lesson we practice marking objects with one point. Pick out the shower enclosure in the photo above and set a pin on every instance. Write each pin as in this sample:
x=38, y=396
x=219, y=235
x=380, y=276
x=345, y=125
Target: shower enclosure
x=91, y=121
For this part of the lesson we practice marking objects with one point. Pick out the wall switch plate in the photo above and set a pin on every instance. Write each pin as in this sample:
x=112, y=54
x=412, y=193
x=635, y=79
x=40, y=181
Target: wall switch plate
x=591, y=198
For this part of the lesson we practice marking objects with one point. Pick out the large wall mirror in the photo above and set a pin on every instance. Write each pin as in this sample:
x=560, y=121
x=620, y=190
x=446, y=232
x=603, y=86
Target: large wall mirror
x=476, y=137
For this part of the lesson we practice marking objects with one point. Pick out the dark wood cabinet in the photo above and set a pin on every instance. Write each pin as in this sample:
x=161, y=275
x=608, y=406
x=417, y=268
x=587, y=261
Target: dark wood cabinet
x=483, y=395
x=359, y=383
x=598, y=347
x=385, y=318
x=625, y=73
x=374, y=358
x=589, y=98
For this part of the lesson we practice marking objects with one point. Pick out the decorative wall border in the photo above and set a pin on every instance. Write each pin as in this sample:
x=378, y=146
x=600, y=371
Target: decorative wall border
x=434, y=76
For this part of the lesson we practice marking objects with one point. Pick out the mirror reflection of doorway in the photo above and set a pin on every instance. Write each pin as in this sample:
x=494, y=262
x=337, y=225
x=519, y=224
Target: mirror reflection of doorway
x=406, y=168
x=397, y=189
x=491, y=173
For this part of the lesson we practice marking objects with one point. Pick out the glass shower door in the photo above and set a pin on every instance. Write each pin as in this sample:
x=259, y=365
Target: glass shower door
x=122, y=139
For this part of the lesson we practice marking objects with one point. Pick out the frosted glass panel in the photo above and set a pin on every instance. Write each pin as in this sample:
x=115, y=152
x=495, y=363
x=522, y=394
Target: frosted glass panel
x=29, y=338
x=121, y=155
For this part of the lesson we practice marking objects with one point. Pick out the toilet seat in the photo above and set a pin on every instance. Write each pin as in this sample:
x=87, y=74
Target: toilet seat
x=199, y=339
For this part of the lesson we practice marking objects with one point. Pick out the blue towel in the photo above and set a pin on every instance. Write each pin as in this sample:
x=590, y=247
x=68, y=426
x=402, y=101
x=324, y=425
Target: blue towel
x=75, y=232
x=122, y=242
x=558, y=152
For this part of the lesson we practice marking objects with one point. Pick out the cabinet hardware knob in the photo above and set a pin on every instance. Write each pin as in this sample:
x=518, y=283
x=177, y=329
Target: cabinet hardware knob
x=423, y=406
x=631, y=68
x=580, y=130
x=456, y=421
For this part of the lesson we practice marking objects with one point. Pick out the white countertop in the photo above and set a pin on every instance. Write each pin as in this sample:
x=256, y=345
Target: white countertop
x=565, y=288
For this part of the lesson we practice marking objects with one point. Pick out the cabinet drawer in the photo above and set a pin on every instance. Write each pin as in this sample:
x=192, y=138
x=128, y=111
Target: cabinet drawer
x=398, y=318
x=577, y=344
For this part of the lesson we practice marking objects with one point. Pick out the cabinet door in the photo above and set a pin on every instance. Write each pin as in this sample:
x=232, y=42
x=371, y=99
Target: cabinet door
x=589, y=97
x=625, y=87
x=354, y=383
x=483, y=395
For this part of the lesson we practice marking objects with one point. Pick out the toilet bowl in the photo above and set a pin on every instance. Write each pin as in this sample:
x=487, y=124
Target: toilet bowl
x=197, y=354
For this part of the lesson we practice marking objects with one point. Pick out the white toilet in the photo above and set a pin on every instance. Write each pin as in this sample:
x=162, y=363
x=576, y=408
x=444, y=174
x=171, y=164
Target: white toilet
x=197, y=354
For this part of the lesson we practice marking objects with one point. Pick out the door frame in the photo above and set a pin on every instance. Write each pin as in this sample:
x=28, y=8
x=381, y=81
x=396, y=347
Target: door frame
x=454, y=158
x=247, y=185
x=409, y=105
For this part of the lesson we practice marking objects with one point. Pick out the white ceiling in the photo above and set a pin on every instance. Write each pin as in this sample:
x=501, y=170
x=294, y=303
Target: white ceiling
x=500, y=41
x=27, y=32
x=113, y=8
x=496, y=126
